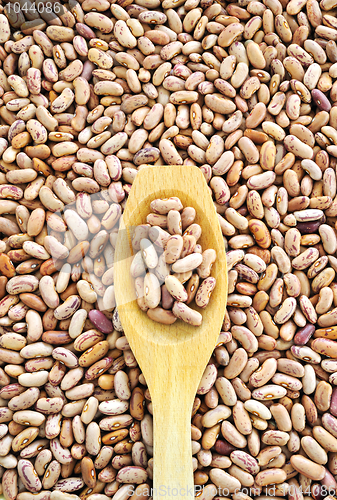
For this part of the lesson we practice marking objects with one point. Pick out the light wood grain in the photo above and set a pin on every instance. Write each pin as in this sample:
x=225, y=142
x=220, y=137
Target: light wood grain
x=172, y=358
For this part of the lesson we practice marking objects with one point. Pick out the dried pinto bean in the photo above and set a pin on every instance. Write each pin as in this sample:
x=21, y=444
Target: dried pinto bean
x=181, y=253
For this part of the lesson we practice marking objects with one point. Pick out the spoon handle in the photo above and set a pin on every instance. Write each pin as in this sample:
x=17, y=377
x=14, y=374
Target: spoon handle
x=173, y=473
x=172, y=393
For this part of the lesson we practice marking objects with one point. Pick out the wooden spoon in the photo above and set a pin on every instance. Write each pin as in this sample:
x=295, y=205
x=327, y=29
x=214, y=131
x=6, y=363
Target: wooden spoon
x=171, y=357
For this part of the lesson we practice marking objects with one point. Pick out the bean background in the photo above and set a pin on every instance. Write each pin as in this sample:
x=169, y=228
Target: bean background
x=90, y=93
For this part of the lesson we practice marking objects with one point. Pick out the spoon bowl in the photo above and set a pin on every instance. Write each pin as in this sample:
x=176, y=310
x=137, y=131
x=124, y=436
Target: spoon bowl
x=171, y=357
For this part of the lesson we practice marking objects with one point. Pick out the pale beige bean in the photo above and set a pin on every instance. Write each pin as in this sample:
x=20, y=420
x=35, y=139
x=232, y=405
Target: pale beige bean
x=314, y=451
x=29, y=417
x=275, y=438
x=152, y=292
x=258, y=409
x=66, y=356
x=224, y=480
x=234, y=436
x=137, y=267
x=48, y=292
x=307, y=467
x=33, y=379
x=173, y=249
x=185, y=313
x=176, y=289
x=269, y=392
x=77, y=323
x=188, y=263
x=36, y=350
x=149, y=253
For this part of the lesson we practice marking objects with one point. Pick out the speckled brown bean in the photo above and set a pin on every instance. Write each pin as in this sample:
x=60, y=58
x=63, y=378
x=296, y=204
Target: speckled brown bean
x=204, y=292
x=173, y=249
x=10, y=484
x=29, y=476
x=185, y=313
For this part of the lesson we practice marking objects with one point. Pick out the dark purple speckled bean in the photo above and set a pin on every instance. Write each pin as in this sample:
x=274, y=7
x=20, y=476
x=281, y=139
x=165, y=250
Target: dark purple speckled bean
x=304, y=334
x=100, y=321
x=321, y=100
